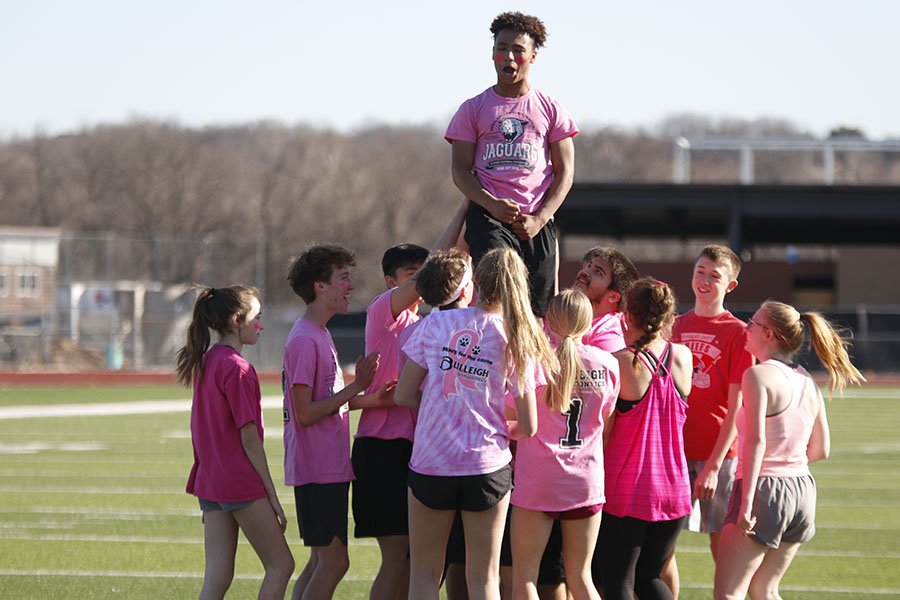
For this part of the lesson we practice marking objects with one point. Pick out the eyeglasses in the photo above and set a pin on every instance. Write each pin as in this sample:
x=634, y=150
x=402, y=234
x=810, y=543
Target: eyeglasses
x=751, y=323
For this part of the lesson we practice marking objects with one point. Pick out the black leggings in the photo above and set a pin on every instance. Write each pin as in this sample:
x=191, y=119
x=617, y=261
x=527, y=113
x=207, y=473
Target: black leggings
x=632, y=553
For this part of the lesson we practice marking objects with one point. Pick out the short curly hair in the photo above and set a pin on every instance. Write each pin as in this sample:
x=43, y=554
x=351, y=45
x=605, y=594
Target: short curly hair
x=316, y=264
x=521, y=23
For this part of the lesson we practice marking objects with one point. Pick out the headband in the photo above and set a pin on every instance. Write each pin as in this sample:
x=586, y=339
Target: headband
x=466, y=278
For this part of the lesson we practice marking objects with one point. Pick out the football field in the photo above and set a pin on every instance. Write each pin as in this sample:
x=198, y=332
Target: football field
x=93, y=503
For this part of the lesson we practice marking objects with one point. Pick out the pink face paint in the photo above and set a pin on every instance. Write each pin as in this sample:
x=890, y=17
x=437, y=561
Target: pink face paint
x=521, y=59
x=256, y=325
x=498, y=57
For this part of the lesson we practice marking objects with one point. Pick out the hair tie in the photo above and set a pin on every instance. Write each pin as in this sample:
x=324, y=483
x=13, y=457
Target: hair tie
x=212, y=291
x=466, y=278
x=660, y=282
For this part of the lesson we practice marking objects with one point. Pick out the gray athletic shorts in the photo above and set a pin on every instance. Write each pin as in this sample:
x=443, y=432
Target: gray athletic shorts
x=784, y=507
x=708, y=516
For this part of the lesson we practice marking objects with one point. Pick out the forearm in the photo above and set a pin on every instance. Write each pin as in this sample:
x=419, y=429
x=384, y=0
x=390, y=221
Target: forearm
x=754, y=449
x=555, y=196
x=410, y=400
x=471, y=188
x=310, y=413
x=723, y=443
x=365, y=401
x=562, y=155
x=253, y=448
x=454, y=227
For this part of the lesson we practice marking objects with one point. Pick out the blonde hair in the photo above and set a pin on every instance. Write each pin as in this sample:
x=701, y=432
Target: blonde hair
x=503, y=281
x=651, y=305
x=569, y=316
x=212, y=310
x=829, y=342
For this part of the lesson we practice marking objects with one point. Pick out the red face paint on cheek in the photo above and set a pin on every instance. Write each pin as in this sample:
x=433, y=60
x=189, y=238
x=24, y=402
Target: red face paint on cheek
x=498, y=57
x=257, y=326
x=521, y=59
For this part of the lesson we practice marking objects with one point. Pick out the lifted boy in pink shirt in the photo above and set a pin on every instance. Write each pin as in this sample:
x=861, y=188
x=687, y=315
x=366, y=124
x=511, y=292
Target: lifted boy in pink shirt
x=514, y=158
x=316, y=420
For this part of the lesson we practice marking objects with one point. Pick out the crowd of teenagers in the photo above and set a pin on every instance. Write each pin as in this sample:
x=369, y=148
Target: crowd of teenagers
x=606, y=420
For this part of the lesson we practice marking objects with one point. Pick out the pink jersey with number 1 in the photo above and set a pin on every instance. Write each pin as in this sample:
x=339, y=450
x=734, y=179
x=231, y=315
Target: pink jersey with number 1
x=561, y=467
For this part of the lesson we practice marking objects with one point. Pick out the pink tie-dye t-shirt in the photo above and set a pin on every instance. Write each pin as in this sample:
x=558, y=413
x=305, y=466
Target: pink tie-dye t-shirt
x=319, y=453
x=461, y=428
x=512, y=138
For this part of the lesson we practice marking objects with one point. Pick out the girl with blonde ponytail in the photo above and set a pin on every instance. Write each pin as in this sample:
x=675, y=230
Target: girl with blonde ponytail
x=230, y=476
x=782, y=427
x=461, y=364
x=559, y=472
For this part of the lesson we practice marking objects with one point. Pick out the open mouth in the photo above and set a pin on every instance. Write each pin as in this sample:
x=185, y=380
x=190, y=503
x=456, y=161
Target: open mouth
x=508, y=71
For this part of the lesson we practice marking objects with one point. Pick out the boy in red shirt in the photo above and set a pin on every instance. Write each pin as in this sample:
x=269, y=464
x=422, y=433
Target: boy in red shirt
x=716, y=339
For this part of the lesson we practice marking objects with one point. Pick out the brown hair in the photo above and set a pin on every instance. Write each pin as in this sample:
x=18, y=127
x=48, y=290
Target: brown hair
x=316, y=264
x=212, y=310
x=503, y=281
x=829, y=342
x=521, y=23
x=651, y=306
x=622, y=271
x=724, y=255
x=568, y=316
x=440, y=276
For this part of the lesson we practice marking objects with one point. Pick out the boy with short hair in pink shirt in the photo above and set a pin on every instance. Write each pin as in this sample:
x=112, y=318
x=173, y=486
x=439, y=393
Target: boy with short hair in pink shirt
x=317, y=425
x=514, y=158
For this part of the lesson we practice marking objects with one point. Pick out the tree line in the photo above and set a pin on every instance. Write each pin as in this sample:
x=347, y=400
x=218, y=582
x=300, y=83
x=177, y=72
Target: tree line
x=251, y=196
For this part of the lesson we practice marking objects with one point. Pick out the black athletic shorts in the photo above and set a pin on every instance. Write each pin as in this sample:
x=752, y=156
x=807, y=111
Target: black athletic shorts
x=474, y=493
x=379, y=500
x=322, y=512
x=484, y=233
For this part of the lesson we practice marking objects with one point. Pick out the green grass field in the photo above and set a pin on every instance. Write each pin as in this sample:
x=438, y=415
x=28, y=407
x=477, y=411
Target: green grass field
x=94, y=506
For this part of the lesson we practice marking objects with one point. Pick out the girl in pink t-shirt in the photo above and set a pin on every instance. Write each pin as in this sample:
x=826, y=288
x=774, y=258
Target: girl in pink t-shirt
x=782, y=427
x=465, y=361
x=230, y=476
x=559, y=472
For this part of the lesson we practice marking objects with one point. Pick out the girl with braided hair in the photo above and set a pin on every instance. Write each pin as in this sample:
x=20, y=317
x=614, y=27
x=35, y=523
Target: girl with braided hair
x=648, y=493
x=230, y=476
x=782, y=427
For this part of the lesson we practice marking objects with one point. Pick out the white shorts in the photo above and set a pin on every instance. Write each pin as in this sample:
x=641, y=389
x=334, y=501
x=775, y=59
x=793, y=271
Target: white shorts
x=708, y=516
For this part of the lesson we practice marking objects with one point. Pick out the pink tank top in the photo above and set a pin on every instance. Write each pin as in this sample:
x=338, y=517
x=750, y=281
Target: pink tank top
x=788, y=432
x=646, y=471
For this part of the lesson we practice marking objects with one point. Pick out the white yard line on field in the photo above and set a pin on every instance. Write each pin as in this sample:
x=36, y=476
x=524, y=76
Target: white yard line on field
x=142, y=407
x=143, y=575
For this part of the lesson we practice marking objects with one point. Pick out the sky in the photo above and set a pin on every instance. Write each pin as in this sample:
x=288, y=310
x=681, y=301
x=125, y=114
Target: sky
x=350, y=64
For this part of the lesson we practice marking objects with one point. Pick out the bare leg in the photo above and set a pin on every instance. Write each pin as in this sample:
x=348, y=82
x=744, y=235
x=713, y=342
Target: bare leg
x=220, y=536
x=305, y=575
x=530, y=530
x=428, y=533
x=455, y=582
x=714, y=543
x=260, y=526
x=765, y=582
x=579, y=539
x=392, y=580
x=331, y=563
x=670, y=575
x=484, y=532
x=740, y=557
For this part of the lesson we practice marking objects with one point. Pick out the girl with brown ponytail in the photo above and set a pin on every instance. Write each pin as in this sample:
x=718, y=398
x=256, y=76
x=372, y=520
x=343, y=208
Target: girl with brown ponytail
x=230, y=476
x=782, y=427
x=648, y=495
x=559, y=472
